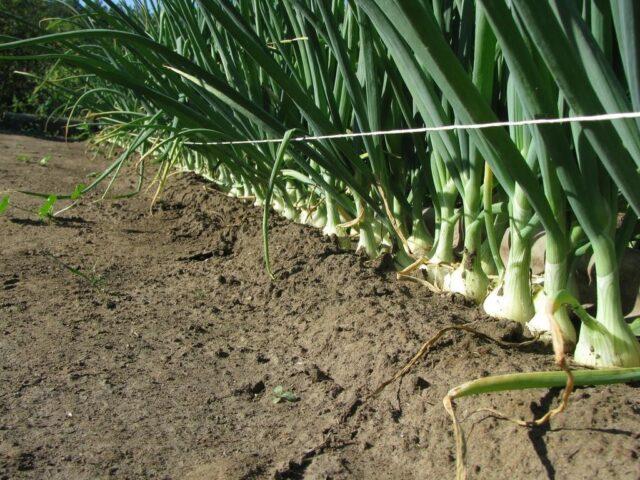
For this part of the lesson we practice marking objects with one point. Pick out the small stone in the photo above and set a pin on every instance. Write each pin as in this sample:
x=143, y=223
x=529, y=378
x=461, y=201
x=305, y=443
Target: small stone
x=26, y=462
x=335, y=390
x=222, y=354
x=317, y=375
x=421, y=384
x=258, y=388
x=250, y=389
x=260, y=358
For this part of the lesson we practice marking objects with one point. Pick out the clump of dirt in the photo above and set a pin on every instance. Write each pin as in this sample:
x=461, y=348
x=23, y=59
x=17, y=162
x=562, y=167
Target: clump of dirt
x=161, y=361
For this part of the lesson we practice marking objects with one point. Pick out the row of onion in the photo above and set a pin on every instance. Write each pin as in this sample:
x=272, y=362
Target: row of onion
x=179, y=82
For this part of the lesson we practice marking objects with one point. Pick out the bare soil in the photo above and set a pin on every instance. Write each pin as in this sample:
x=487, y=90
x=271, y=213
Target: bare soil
x=161, y=361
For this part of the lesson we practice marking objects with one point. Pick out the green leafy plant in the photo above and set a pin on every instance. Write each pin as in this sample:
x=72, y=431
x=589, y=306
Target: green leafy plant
x=280, y=394
x=46, y=210
x=24, y=158
x=44, y=161
x=78, y=191
x=20, y=93
x=4, y=204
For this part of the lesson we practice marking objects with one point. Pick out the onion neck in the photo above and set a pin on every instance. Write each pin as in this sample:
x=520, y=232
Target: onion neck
x=444, y=245
x=332, y=225
x=517, y=283
x=513, y=298
x=420, y=242
x=366, y=238
x=469, y=279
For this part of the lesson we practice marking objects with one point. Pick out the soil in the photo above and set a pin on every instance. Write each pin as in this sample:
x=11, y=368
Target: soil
x=160, y=360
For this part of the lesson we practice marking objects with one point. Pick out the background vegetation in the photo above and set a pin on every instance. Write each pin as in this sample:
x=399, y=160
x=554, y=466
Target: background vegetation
x=25, y=19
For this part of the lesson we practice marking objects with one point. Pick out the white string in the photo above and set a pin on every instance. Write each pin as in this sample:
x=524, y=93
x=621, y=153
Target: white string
x=444, y=128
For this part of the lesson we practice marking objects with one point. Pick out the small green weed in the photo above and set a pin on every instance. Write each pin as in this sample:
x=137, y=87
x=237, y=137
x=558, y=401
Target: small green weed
x=4, y=204
x=44, y=161
x=96, y=281
x=280, y=394
x=23, y=158
x=46, y=210
x=79, y=190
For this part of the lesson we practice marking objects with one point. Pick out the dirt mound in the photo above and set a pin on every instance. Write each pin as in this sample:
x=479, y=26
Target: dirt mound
x=161, y=361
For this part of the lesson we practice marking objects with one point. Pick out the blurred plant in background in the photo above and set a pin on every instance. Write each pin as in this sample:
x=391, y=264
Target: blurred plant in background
x=28, y=93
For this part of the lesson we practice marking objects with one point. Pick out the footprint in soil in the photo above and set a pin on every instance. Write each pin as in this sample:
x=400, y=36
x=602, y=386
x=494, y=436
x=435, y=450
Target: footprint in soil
x=326, y=466
x=233, y=466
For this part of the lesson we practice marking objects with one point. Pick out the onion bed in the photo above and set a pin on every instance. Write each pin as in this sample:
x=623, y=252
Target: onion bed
x=231, y=89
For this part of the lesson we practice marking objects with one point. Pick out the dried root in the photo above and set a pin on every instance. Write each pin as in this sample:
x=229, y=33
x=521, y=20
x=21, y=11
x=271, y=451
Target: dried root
x=448, y=402
x=429, y=343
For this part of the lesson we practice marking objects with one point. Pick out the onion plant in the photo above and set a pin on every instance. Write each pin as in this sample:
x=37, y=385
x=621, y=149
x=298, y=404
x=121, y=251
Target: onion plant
x=213, y=86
